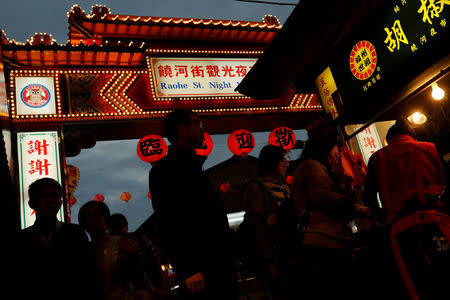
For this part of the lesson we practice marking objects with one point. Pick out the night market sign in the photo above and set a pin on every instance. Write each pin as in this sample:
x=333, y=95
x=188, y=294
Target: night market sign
x=198, y=77
x=390, y=47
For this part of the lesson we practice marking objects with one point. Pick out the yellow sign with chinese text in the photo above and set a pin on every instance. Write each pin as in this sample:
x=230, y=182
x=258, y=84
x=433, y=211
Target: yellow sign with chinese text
x=326, y=86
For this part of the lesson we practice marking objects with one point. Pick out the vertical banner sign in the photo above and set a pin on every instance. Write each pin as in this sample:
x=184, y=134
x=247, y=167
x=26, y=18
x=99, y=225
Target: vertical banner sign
x=38, y=156
x=369, y=142
x=327, y=90
x=35, y=95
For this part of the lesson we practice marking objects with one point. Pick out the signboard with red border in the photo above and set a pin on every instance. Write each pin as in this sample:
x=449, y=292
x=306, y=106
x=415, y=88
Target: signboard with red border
x=363, y=60
x=35, y=95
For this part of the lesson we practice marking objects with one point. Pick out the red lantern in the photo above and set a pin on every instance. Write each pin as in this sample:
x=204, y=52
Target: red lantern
x=151, y=148
x=282, y=137
x=289, y=179
x=125, y=197
x=207, y=146
x=225, y=187
x=99, y=198
x=149, y=196
x=73, y=201
x=241, y=142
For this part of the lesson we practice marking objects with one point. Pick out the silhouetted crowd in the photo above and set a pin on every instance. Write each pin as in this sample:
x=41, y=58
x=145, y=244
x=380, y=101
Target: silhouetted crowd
x=319, y=236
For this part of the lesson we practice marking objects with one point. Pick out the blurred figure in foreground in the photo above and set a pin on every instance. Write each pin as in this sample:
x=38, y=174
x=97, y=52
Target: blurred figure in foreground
x=118, y=271
x=55, y=254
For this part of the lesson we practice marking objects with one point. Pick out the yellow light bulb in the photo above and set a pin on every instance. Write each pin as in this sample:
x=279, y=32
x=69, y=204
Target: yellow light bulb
x=437, y=92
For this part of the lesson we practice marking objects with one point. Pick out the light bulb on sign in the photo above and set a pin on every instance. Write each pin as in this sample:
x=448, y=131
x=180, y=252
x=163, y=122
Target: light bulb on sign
x=437, y=93
x=417, y=118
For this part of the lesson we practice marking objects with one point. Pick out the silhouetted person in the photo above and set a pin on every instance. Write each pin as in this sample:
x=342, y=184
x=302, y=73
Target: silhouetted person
x=327, y=238
x=407, y=174
x=51, y=255
x=270, y=217
x=194, y=227
x=118, y=225
x=118, y=271
x=145, y=258
x=408, y=177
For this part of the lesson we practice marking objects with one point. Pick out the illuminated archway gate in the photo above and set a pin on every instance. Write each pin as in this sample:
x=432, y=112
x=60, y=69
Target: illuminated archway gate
x=118, y=76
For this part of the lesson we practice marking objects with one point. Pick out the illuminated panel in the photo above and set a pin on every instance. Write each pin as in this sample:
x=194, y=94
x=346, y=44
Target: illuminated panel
x=369, y=142
x=35, y=95
x=197, y=77
x=125, y=97
x=38, y=156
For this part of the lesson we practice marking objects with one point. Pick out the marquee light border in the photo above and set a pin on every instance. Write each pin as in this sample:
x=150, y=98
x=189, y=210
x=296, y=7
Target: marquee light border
x=298, y=103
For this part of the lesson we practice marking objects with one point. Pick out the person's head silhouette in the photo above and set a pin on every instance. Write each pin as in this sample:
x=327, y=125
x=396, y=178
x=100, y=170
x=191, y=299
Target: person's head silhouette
x=45, y=197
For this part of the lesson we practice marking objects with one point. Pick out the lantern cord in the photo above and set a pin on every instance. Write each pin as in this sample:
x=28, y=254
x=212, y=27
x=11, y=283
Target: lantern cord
x=268, y=2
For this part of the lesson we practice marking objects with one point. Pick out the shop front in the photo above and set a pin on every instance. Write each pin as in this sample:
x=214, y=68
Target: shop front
x=392, y=63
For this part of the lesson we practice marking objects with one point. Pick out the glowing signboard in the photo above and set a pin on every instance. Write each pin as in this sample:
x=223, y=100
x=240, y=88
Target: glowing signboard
x=35, y=95
x=198, y=77
x=369, y=142
x=328, y=93
x=38, y=156
x=395, y=43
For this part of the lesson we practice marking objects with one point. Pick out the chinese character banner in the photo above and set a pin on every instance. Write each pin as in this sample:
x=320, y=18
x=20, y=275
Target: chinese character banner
x=38, y=156
x=369, y=142
x=191, y=77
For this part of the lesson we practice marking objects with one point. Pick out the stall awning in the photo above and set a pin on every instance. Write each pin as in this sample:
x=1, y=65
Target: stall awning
x=308, y=37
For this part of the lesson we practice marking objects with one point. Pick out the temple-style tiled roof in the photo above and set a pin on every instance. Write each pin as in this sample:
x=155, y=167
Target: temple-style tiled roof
x=105, y=39
x=101, y=25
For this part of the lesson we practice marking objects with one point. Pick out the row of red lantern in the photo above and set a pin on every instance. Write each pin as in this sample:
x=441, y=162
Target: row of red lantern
x=125, y=197
x=152, y=148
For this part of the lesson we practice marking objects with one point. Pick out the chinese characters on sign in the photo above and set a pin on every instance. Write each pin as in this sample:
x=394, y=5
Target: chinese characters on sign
x=241, y=142
x=282, y=137
x=429, y=11
x=187, y=77
x=327, y=87
x=369, y=142
x=207, y=146
x=395, y=36
x=363, y=60
x=38, y=155
x=151, y=148
x=35, y=95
